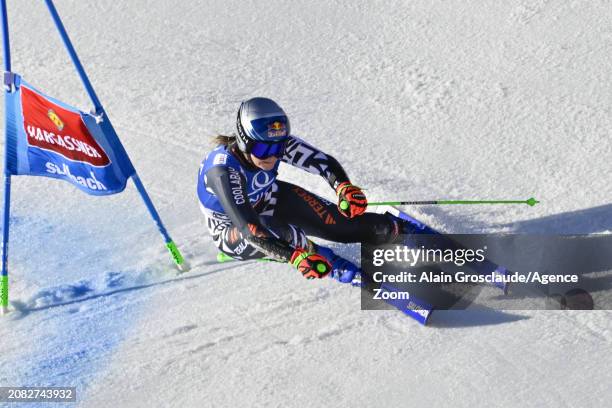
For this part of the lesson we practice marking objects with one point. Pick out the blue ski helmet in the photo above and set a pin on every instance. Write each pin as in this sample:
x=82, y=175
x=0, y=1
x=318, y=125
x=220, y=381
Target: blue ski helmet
x=263, y=127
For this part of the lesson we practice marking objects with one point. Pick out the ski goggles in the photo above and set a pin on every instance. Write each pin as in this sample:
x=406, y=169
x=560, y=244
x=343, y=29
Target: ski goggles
x=263, y=150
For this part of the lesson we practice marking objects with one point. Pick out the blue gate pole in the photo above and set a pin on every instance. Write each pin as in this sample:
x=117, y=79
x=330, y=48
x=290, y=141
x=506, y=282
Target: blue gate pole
x=99, y=110
x=172, y=248
x=4, y=295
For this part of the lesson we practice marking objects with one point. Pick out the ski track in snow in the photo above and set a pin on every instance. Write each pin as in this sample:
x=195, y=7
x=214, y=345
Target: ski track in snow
x=460, y=99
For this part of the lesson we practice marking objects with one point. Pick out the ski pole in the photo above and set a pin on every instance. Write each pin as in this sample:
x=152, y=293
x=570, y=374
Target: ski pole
x=531, y=202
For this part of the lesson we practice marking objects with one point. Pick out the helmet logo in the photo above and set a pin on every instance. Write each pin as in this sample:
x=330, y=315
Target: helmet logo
x=55, y=119
x=277, y=129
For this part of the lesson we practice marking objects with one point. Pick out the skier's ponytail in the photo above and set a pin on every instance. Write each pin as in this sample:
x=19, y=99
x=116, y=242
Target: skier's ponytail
x=223, y=140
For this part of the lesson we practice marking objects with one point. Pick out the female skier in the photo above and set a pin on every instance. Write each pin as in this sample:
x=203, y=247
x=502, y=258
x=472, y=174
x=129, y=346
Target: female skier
x=251, y=214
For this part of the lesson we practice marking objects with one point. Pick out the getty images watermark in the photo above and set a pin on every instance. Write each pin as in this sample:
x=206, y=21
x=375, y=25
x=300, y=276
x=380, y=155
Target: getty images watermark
x=518, y=271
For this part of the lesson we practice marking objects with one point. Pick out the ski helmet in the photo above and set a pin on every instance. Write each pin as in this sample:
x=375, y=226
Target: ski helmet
x=263, y=128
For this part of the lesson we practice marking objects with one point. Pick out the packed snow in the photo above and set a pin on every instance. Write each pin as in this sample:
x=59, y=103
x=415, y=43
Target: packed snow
x=417, y=99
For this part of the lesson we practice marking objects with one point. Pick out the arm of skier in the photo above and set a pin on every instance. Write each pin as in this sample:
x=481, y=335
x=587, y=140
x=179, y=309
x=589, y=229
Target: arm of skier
x=302, y=155
x=229, y=187
x=351, y=199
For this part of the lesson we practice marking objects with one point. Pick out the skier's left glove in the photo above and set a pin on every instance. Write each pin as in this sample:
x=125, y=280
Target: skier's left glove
x=351, y=200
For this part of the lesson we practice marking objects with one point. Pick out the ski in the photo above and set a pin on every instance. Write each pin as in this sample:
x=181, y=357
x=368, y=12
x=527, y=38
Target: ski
x=414, y=306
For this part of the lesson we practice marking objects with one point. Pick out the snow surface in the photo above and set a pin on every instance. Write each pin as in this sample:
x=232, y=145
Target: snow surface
x=418, y=100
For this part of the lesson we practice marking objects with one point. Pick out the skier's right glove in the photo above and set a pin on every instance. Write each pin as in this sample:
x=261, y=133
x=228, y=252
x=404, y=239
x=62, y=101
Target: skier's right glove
x=312, y=266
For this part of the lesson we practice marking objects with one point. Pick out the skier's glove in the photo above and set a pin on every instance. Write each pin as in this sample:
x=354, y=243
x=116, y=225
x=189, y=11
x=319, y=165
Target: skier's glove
x=310, y=265
x=351, y=200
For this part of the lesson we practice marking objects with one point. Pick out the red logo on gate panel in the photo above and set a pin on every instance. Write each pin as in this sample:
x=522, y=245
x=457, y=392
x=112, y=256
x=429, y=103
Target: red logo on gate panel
x=51, y=127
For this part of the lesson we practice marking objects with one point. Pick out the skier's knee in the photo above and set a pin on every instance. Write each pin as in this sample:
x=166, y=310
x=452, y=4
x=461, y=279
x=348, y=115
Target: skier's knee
x=385, y=232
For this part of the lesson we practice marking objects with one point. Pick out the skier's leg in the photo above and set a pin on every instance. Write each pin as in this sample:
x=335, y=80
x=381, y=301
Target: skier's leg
x=321, y=218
